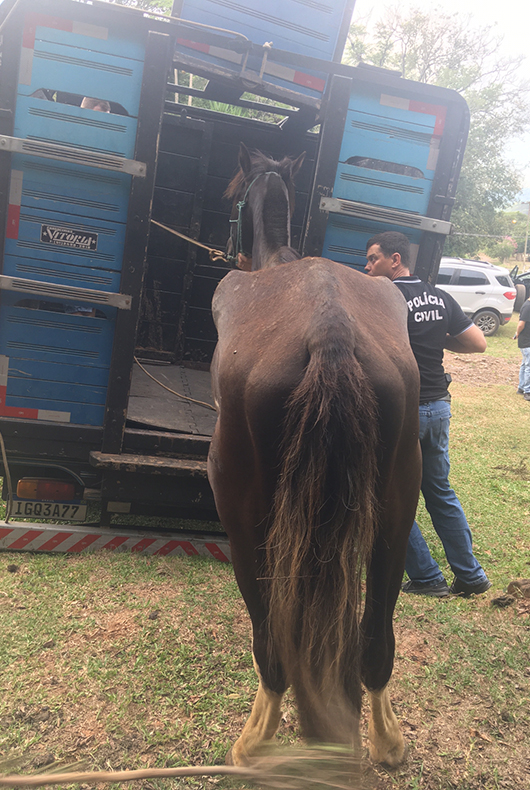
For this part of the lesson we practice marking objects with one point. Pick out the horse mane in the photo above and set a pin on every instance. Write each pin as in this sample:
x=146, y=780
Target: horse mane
x=260, y=164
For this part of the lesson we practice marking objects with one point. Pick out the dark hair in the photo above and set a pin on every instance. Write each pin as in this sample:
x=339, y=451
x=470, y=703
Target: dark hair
x=392, y=241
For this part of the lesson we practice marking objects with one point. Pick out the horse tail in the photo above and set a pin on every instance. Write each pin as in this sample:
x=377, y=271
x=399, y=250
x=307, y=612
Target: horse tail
x=322, y=532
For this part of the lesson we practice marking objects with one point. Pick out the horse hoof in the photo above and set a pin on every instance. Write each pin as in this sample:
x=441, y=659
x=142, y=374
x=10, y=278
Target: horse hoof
x=390, y=758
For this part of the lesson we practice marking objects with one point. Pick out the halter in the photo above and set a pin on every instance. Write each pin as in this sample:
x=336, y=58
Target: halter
x=239, y=227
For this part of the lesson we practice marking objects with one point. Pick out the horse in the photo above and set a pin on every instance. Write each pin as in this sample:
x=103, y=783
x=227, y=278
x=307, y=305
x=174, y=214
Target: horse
x=315, y=468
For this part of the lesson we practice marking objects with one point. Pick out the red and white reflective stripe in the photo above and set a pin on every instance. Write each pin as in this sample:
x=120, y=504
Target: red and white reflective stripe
x=298, y=77
x=272, y=69
x=438, y=110
x=24, y=413
x=74, y=540
x=33, y=21
x=13, y=209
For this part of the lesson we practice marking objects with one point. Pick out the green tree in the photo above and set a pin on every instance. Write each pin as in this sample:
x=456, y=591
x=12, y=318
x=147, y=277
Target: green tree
x=450, y=51
x=512, y=224
x=501, y=249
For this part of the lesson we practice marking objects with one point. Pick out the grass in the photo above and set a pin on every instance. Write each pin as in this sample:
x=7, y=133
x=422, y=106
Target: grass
x=501, y=345
x=123, y=661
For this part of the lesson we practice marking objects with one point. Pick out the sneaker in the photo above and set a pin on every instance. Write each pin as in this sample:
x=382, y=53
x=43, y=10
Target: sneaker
x=437, y=590
x=520, y=391
x=465, y=590
x=527, y=396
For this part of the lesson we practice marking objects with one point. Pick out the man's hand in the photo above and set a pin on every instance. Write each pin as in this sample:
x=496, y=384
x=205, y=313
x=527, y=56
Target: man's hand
x=244, y=263
x=519, y=328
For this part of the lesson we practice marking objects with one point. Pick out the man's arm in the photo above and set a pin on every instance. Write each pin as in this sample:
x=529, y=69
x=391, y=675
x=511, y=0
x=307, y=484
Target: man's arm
x=470, y=341
x=519, y=328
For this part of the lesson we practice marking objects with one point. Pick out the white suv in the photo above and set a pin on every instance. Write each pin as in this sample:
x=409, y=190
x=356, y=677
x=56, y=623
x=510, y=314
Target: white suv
x=485, y=292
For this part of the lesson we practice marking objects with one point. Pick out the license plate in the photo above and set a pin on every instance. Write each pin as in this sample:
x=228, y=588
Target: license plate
x=24, y=508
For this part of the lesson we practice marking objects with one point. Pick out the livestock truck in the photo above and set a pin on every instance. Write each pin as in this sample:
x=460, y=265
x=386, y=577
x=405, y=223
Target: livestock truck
x=101, y=302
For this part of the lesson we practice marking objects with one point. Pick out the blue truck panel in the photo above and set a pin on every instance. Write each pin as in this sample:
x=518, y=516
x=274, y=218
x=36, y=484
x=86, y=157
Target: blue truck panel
x=58, y=362
x=388, y=159
x=58, y=373
x=304, y=28
x=73, y=191
x=346, y=239
x=88, y=129
x=67, y=223
x=67, y=65
x=52, y=336
x=128, y=43
x=63, y=274
x=37, y=231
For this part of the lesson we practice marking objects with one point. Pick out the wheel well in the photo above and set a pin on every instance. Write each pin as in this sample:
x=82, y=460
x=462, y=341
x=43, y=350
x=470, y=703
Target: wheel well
x=487, y=310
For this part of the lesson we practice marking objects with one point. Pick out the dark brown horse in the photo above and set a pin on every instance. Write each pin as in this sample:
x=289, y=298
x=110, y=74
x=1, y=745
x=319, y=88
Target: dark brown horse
x=315, y=467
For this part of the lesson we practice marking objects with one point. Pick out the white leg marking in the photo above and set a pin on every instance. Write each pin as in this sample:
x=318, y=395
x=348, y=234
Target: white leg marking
x=261, y=725
x=386, y=741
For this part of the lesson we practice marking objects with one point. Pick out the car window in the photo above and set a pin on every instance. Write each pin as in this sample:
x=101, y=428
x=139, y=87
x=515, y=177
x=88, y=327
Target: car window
x=504, y=280
x=444, y=275
x=471, y=277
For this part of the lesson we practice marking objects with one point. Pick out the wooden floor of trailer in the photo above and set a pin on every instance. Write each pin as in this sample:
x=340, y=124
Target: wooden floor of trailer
x=152, y=406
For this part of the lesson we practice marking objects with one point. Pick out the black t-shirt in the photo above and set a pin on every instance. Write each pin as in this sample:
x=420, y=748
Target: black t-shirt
x=523, y=341
x=433, y=314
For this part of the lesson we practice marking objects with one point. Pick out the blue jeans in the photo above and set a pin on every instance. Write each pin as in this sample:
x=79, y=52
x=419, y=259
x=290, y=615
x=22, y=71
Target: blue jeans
x=443, y=506
x=524, y=371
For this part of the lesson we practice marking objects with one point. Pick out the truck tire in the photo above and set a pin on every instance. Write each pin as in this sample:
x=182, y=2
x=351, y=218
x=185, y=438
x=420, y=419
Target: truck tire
x=488, y=321
x=520, y=298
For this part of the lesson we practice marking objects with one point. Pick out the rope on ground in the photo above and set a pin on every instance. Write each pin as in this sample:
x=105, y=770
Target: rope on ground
x=7, y=475
x=326, y=766
x=40, y=780
x=215, y=255
x=174, y=392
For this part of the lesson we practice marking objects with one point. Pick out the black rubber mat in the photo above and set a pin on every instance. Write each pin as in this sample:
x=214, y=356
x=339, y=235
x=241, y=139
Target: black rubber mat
x=153, y=406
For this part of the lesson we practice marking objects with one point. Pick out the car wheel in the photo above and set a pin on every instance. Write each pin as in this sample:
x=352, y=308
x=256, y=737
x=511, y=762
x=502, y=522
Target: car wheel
x=487, y=321
x=520, y=298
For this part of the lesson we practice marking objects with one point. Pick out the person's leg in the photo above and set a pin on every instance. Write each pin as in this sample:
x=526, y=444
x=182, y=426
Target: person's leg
x=422, y=569
x=420, y=565
x=524, y=373
x=441, y=501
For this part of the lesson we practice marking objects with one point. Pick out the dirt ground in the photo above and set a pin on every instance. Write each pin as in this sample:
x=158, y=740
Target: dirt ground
x=480, y=370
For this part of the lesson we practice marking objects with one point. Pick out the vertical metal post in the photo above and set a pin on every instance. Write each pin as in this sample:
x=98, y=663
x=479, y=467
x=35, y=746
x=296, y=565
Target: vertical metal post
x=157, y=61
x=326, y=164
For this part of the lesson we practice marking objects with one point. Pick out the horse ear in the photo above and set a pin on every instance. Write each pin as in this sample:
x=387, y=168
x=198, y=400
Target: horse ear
x=244, y=159
x=297, y=164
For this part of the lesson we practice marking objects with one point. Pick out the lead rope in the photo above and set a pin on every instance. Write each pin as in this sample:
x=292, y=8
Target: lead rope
x=215, y=255
x=121, y=776
x=7, y=473
x=174, y=392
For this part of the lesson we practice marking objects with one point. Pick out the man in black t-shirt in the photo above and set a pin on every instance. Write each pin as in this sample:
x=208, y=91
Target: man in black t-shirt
x=435, y=323
x=522, y=335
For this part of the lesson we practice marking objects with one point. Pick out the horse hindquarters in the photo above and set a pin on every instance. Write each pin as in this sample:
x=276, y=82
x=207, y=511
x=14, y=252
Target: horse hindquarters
x=398, y=491
x=243, y=505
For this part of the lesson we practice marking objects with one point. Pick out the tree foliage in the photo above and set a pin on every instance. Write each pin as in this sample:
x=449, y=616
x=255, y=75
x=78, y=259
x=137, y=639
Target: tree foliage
x=450, y=51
